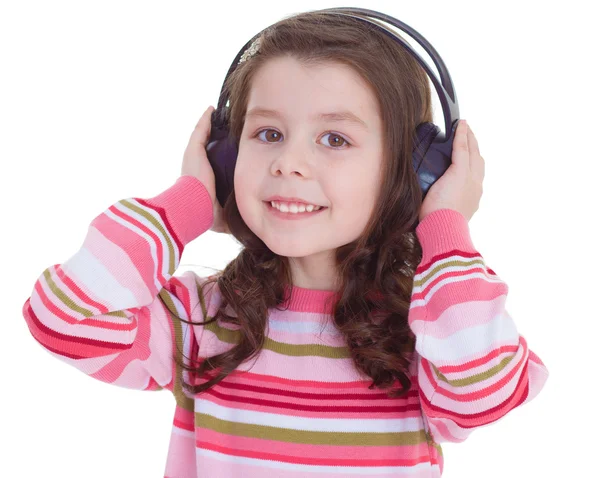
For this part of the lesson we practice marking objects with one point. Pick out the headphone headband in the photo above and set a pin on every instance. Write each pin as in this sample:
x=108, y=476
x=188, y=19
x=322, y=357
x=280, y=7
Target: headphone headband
x=445, y=89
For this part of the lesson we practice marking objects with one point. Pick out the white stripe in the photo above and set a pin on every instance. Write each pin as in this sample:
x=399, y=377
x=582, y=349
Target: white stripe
x=300, y=468
x=84, y=268
x=184, y=433
x=471, y=341
x=60, y=284
x=301, y=327
x=362, y=424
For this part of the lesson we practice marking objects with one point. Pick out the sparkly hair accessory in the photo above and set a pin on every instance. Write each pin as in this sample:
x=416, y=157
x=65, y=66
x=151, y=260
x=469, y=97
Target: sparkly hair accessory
x=250, y=52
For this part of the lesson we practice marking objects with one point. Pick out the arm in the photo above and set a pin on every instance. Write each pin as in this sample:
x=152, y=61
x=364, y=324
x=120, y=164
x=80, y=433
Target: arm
x=473, y=365
x=110, y=310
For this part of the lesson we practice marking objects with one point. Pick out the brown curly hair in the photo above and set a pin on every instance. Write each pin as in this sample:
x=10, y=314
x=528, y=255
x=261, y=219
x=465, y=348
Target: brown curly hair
x=376, y=271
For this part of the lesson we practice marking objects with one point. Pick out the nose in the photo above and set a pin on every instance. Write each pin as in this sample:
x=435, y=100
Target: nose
x=292, y=160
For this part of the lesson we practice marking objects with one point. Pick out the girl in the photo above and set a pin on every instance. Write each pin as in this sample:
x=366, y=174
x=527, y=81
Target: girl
x=342, y=340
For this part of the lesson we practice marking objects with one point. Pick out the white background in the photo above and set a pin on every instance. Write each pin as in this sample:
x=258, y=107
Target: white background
x=98, y=100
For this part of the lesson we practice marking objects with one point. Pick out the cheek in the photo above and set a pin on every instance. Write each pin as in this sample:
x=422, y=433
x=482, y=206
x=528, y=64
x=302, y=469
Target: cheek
x=355, y=200
x=358, y=190
x=247, y=190
x=242, y=178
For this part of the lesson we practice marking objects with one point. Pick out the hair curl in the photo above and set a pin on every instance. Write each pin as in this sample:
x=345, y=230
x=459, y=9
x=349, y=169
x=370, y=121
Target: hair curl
x=376, y=271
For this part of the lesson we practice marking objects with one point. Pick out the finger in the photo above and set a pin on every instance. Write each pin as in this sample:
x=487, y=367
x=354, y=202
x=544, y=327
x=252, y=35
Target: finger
x=473, y=144
x=477, y=164
x=201, y=132
x=460, y=146
x=206, y=114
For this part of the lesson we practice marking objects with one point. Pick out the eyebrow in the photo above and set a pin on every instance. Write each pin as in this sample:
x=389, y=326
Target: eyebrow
x=340, y=116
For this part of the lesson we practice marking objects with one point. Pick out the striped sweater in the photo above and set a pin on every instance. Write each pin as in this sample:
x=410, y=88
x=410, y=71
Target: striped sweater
x=300, y=408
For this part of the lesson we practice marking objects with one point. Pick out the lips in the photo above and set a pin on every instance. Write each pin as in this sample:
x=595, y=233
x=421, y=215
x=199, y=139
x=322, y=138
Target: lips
x=291, y=199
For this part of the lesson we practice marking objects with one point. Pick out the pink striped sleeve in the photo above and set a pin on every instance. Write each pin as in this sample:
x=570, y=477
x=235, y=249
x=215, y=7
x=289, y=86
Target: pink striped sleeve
x=110, y=309
x=474, y=366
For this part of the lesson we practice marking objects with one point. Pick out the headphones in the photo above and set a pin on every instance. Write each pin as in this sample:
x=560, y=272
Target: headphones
x=432, y=149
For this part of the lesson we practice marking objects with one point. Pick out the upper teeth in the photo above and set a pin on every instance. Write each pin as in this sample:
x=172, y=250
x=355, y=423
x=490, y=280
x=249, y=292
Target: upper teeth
x=293, y=207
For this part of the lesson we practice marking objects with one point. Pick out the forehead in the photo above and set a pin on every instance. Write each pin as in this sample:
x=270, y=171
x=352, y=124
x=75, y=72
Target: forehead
x=329, y=91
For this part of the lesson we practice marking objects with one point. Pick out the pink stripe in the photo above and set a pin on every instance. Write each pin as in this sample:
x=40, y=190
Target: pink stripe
x=273, y=363
x=108, y=245
x=184, y=418
x=334, y=458
x=305, y=385
x=223, y=467
x=459, y=315
x=363, y=394
x=316, y=409
x=459, y=292
x=181, y=458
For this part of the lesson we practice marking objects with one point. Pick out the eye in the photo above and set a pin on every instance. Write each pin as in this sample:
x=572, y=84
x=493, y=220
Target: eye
x=276, y=135
x=339, y=142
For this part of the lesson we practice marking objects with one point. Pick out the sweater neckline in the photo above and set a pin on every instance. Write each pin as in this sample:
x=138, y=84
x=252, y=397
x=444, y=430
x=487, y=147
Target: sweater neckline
x=311, y=300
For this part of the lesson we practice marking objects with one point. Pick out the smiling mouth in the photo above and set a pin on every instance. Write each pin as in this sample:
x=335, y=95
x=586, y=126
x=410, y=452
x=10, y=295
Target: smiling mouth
x=292, y=215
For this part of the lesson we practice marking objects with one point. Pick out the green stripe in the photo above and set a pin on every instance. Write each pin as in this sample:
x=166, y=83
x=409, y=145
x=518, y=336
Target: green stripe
x=479, y=377
x=180, y=398
x=436, y=269
x=233, y=337
x=431, y=442
x=307, y=436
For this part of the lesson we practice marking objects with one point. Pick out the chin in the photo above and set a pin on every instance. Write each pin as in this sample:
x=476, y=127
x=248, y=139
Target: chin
x=293, y=248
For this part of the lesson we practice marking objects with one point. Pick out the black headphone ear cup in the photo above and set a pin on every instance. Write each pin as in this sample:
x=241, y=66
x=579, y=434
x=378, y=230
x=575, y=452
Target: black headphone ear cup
x=432, y=155
x=222, y=153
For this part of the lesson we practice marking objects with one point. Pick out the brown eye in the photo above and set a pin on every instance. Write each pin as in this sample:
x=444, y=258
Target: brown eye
x=274, y=134
x=338, y=142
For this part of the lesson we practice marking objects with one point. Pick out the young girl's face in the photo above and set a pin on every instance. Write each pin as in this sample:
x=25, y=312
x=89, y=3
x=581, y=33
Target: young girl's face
x=292, y=152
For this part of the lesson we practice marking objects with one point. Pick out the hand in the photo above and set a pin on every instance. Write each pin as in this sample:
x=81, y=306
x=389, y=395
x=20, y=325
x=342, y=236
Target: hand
x=461, y=186
x=195, y=163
